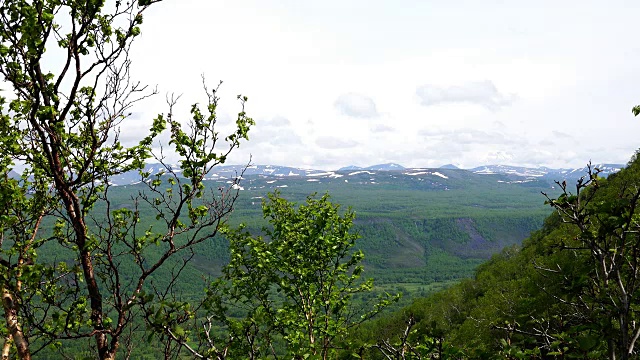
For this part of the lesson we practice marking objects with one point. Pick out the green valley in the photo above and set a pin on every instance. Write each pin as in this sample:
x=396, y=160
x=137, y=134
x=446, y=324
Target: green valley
x=418, y=230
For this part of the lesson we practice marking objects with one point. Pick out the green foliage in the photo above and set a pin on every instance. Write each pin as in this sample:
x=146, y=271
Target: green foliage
x=63, y=128
x=571, y=291
x=296, y=284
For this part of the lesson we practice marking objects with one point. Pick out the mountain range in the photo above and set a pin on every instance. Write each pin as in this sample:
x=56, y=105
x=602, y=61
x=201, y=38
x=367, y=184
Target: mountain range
x=509, y=173
x=505, y=173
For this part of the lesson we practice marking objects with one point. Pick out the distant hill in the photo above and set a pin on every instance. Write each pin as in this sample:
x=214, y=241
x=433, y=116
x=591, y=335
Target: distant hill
x=380, y=171
x=386, y=167
x=546, y=173
x=350, y=168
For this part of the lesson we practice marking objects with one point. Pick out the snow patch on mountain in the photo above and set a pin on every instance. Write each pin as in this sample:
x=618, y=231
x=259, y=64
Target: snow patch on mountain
x=329, y=173
x=361, y=172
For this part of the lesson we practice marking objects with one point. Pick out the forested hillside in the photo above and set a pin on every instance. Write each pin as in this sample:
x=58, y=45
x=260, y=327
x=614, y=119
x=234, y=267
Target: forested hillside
x=570, y=291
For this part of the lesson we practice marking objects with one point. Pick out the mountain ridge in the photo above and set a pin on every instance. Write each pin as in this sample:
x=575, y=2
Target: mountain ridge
x=230, y=172
x=513, y=173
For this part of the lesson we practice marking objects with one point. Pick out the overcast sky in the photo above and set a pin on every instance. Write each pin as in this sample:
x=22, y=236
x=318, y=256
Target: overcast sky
x=421, y=83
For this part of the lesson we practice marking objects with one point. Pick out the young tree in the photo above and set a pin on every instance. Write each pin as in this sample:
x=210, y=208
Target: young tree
x=290, y=292
x=62, y=125
x=607, y=223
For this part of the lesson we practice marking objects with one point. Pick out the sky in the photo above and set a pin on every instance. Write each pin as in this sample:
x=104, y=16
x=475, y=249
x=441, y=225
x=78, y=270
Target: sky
x=423, y=83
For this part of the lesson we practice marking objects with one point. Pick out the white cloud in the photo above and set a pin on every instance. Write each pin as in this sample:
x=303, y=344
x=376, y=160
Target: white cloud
x=560, y=134
x=482, y=93
x=380, y=128
x=323, y=77
x=356, y=105
x=331, y=142
x=275, y=131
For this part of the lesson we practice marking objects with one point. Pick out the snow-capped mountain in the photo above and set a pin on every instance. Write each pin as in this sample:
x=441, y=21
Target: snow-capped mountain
x=224, y=172
x=379, y=167
x=545, y=172
x=386, y=167
x=350, y=168
x=375, y=173
x=133, y=177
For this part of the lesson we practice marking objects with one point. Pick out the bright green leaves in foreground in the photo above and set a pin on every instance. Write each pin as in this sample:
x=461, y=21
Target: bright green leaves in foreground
x=62, y=126
x=291, y=290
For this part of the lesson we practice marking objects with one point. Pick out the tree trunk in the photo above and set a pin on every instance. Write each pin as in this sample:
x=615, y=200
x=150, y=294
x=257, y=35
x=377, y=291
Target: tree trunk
x=6, y=347
x=74, y=211
x=15, y=329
